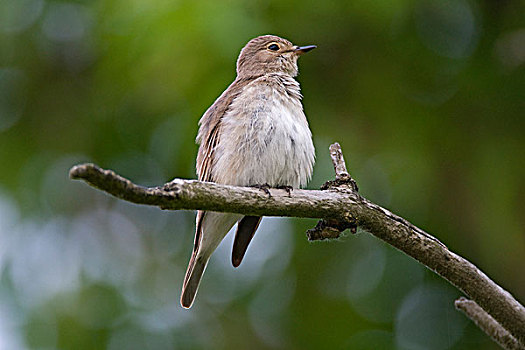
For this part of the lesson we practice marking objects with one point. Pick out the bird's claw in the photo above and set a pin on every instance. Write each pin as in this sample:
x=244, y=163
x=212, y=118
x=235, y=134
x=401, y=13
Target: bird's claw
x=287, y=188
x=264, y=187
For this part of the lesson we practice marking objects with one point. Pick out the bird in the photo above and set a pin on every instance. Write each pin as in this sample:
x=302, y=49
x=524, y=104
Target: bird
x=255, y=134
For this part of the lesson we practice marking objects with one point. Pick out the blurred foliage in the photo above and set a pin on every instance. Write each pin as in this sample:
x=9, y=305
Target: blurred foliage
x=426, y=97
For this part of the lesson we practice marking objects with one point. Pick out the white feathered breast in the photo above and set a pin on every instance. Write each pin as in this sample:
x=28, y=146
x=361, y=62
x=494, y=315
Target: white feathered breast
x=265, y=136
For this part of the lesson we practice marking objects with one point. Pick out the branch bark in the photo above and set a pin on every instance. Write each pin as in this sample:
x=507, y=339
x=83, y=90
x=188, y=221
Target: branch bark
x=339, y=206
x=487, y=323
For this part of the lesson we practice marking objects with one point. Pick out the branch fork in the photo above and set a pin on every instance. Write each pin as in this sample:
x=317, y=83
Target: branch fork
x=333, y=228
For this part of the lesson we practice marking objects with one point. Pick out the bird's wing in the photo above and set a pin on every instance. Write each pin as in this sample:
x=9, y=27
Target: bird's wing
x=210, y=126
x=209, y=136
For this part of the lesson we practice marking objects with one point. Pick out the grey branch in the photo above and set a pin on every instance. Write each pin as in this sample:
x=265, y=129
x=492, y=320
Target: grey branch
x=338, y=161
x=339, y=206
x=488, y=324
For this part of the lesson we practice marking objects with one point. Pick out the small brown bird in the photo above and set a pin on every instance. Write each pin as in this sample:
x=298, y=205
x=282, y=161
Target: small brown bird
x=255, y=133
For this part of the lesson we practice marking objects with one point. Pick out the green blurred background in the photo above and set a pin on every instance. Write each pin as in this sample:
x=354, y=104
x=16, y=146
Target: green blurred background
x=427, y=99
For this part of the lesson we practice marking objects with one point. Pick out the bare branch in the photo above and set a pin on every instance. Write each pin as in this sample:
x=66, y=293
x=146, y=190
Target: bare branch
x=192, y=195
x=342, y=177
x=488, y=324
x=330, y=229
x=339, y=206
x=338, y=161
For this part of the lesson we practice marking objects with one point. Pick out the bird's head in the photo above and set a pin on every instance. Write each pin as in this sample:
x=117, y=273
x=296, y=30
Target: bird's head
x=270, y=54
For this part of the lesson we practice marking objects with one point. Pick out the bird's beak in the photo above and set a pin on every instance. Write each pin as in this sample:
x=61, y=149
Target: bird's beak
x=303, y=49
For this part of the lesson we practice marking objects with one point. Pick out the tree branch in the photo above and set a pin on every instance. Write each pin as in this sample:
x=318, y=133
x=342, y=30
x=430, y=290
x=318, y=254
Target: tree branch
x=487, y=323
x=339, y=206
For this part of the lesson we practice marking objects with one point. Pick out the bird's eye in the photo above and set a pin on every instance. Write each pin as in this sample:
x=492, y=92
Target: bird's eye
x=273, y=47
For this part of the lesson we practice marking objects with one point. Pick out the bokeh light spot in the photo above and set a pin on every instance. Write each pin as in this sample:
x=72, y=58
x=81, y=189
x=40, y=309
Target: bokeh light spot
x=428, y=320
x=447, y=27
x=18, y=15
x=66, y=22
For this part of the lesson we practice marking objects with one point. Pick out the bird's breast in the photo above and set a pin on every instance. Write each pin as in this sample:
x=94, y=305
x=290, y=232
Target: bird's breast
x=265, y=138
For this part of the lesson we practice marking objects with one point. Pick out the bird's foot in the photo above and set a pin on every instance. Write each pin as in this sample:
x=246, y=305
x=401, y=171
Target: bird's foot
x=264, y=187
x=287, y=188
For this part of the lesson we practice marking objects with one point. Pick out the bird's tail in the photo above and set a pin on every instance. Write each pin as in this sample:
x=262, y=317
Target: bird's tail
x=192, y=279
